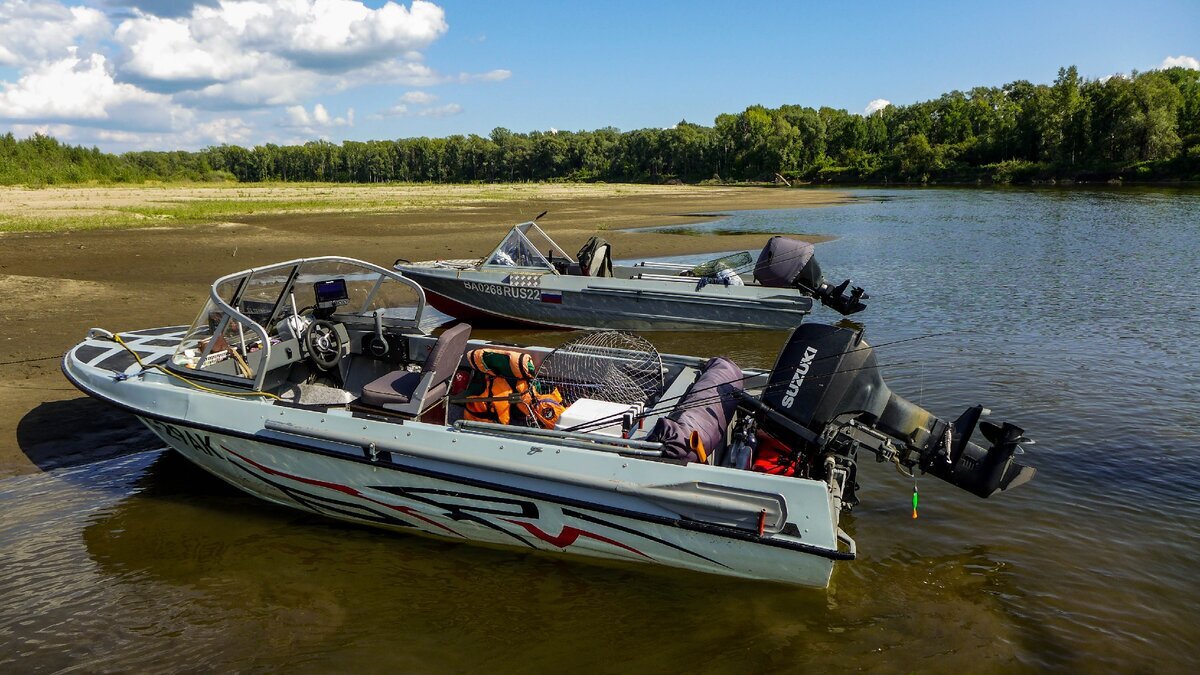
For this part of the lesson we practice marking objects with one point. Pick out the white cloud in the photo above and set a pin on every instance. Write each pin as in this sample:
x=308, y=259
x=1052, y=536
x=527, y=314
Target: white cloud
x=403, y=110
x=1180, y=61
x=329, y=31
x=212, y=132
x=241, y=38
x=230, y=130
x=398, y=110
x=298, y=116
x=83, y=91
x=31, y=32
x=875, y=106
x=447, y=110
x=264, y=89
x=418, y=97
x=167, y=52
x=498, y=75
x=63, y=132
x=183, y=73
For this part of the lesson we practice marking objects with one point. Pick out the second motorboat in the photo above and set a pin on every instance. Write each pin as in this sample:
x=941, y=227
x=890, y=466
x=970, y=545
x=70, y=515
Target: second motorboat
x=528, y=280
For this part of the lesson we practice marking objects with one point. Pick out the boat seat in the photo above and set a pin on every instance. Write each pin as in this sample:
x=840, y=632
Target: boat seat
x=412, y=393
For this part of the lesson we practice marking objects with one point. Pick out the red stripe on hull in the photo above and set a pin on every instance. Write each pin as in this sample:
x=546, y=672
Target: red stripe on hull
x=568, y=536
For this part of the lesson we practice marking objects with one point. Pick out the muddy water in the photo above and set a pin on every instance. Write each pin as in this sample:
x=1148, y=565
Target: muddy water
x=1071, y=313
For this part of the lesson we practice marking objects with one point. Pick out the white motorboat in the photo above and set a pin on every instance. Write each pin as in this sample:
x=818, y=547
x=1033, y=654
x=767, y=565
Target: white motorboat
x=313, y=384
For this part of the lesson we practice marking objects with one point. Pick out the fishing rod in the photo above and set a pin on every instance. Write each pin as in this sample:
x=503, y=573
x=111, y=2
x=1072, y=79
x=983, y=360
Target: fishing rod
x=609, y=419
x=705, y=401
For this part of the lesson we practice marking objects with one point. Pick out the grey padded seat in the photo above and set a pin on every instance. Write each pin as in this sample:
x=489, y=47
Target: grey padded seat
x=412, y=393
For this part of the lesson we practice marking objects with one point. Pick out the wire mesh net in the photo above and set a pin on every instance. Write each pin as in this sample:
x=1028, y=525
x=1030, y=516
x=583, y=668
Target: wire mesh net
x=605, y=366
x=738, y=262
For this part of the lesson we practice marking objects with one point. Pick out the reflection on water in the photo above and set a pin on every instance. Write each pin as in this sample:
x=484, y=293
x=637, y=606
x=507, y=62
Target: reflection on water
x=1071, y=313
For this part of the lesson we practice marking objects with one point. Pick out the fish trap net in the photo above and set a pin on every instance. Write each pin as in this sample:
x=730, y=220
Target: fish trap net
x=605, y=366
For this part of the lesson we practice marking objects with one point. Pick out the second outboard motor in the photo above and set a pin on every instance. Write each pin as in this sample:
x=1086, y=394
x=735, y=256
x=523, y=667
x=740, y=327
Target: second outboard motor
x=790, y=263
x=827, y=391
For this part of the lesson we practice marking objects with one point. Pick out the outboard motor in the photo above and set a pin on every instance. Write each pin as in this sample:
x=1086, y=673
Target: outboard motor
x=790, y=263
x=826, y=393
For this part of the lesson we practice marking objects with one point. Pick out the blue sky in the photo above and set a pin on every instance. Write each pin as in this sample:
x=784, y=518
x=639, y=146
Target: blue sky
x=165, y=74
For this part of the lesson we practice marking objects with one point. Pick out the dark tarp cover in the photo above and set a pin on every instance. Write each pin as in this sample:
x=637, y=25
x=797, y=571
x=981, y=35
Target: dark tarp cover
x=706, y=408
x=595, y=258
x=781, y=261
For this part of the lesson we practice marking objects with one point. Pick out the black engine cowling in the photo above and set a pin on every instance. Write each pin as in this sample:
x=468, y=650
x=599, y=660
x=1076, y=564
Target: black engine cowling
x=790, y=263
x=827, y=382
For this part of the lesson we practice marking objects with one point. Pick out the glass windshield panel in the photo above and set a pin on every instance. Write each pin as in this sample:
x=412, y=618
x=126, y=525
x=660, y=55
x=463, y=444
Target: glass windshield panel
x=359, y=284
x=543, y=243
x=261, y=292
x=236, y=351
x=400, y=302
x=517, y=251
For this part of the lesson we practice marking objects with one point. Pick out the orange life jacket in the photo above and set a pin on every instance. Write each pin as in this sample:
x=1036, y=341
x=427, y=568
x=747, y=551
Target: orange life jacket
x=494, y=401
x=504, y=401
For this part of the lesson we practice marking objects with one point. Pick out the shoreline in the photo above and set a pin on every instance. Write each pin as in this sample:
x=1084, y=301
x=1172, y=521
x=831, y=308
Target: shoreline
x=60, y=283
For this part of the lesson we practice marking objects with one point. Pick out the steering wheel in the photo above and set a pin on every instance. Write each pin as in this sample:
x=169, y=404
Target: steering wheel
x=324, y=343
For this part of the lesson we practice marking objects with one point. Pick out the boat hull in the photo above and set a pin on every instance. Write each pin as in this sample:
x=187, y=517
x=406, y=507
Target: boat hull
x=553, y=301
x=445, y=482
x=474, y=512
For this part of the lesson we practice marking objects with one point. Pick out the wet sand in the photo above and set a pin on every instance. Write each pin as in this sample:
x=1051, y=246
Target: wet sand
x=58, y=284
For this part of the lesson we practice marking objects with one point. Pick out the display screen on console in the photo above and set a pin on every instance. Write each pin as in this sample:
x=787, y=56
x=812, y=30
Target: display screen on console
x=331, y=293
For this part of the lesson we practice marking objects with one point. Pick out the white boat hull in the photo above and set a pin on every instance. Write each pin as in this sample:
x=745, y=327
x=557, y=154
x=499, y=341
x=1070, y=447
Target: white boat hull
x=396, y=499
x=460, y=485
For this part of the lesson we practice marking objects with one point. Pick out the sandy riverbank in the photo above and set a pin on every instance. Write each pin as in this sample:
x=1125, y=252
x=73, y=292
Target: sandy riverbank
x=56, y=284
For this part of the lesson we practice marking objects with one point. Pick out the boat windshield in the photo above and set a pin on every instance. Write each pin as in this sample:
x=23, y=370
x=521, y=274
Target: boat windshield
x=523, y=248
x=250, y=311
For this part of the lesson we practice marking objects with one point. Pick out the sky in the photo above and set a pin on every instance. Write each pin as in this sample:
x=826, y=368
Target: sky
x=186, y=74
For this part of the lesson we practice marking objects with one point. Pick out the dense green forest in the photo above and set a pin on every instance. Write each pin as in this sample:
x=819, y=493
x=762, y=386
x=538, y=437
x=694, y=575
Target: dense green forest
x=1141, y=126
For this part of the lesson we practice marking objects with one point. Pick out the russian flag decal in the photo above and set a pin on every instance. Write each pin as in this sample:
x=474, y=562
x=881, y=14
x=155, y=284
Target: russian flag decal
x=552, y=296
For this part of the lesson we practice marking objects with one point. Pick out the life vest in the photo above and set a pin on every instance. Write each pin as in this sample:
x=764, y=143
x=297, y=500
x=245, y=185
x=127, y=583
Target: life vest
x=502, y=362
x=501, y=391
x=501, y=400
x=491, y=399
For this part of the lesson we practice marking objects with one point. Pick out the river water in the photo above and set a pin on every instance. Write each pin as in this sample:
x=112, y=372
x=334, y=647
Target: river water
x=1071, y=313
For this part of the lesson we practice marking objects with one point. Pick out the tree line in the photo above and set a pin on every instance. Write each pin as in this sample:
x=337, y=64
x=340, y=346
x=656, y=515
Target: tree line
x=1140, y=126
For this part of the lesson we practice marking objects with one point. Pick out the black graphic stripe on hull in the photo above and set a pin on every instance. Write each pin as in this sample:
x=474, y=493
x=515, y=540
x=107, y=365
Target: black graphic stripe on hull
x=628, y=530
x=319, y=504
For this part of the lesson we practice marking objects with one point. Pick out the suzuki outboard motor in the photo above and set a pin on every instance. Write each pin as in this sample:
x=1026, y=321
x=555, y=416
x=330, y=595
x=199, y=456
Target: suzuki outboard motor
x=826, y=393
x=789, y=263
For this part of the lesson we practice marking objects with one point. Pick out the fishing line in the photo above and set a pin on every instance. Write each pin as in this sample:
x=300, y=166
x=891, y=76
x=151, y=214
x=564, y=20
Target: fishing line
x=609, y=419
x=704, y=401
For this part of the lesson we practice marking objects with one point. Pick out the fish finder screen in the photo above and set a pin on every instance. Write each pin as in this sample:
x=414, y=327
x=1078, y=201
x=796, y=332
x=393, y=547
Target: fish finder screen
x=331, y=293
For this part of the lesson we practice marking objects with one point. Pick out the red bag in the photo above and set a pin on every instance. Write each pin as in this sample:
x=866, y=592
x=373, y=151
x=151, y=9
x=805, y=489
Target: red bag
x=773, y=456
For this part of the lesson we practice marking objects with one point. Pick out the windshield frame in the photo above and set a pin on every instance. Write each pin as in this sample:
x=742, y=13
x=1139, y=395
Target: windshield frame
x=522, y=232
x=240, y=281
